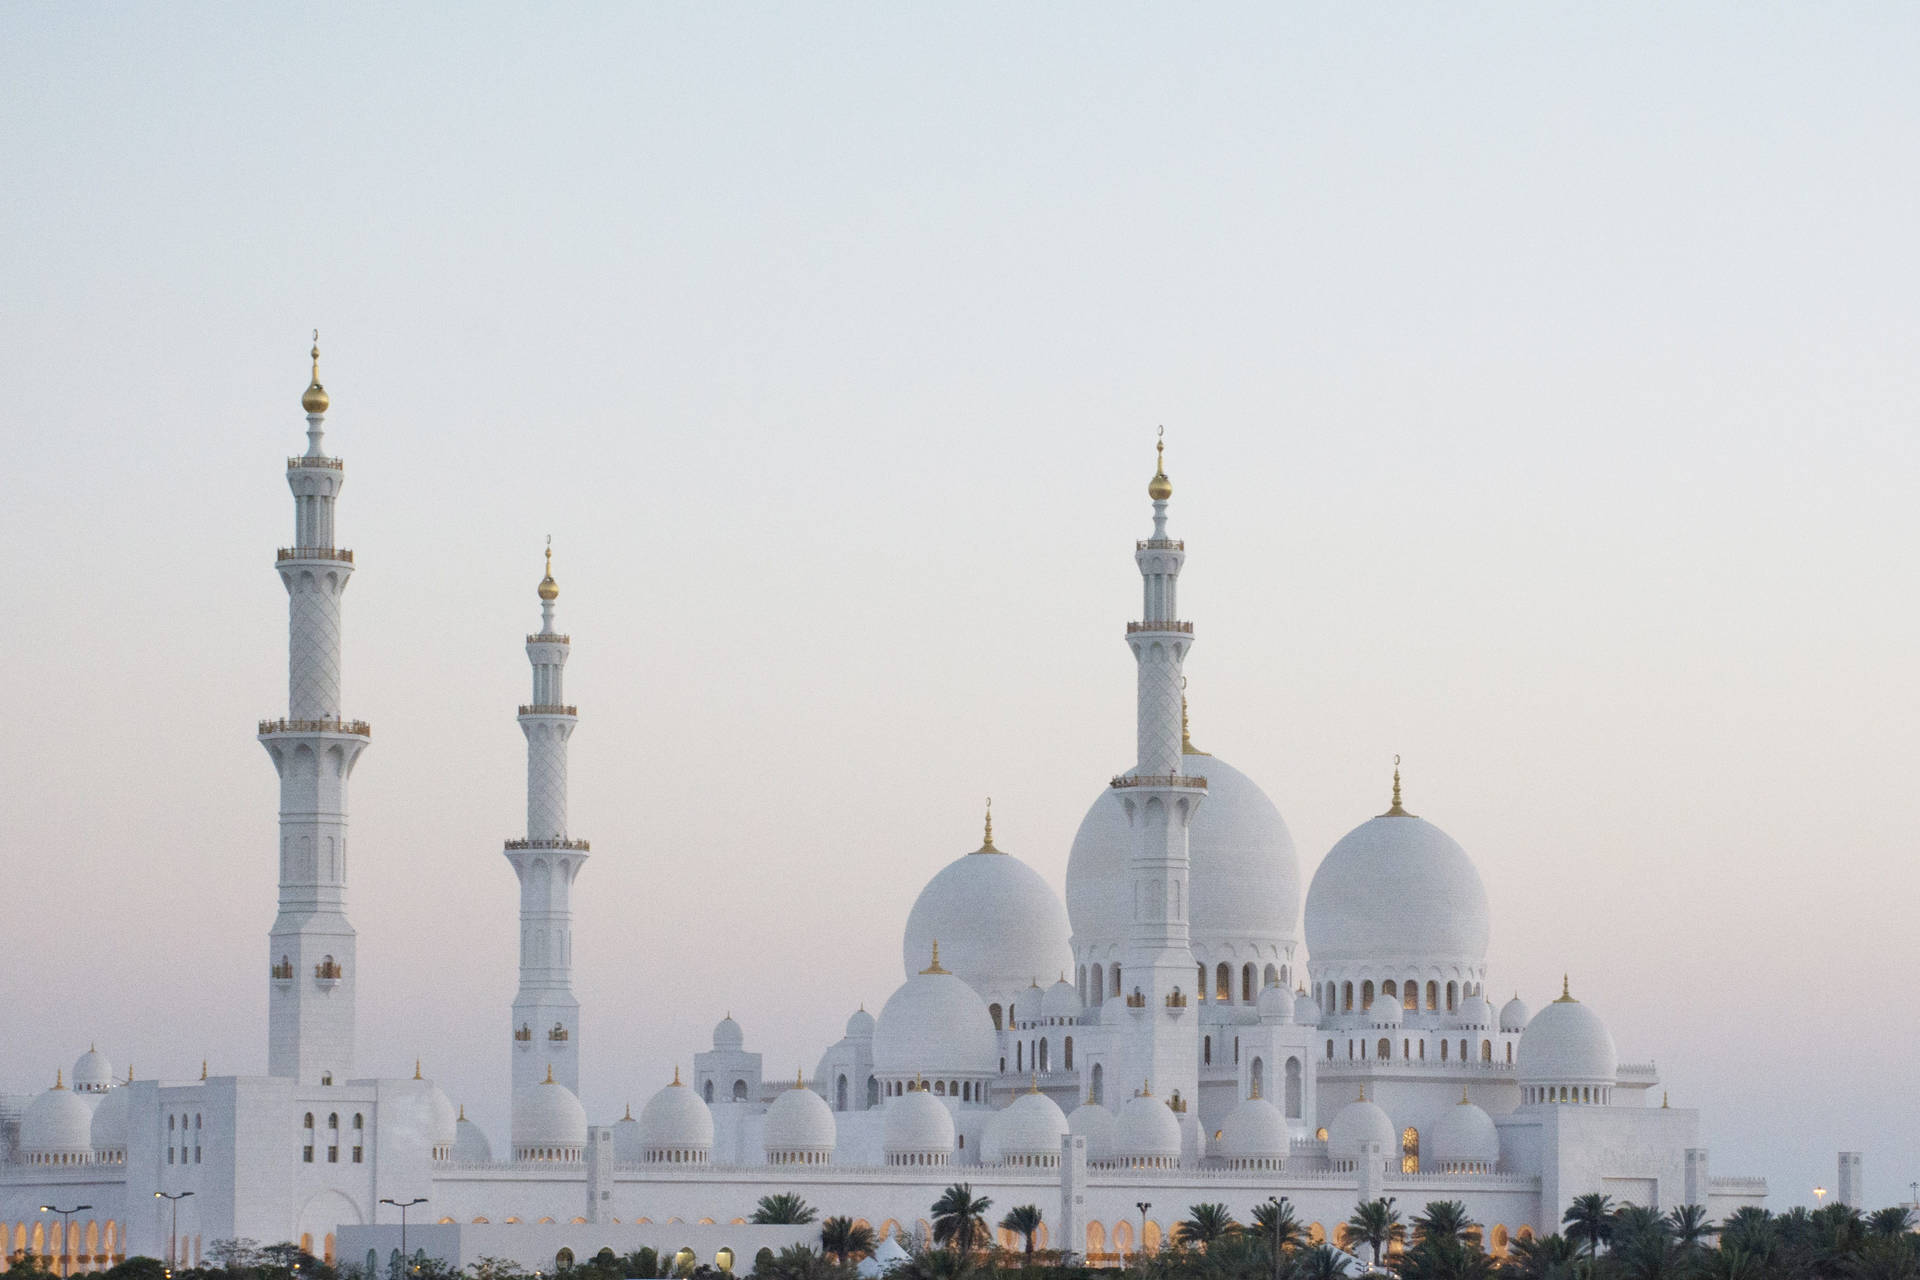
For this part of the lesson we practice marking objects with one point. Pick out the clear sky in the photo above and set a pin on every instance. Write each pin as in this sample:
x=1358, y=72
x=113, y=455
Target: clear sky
x=1540, y=391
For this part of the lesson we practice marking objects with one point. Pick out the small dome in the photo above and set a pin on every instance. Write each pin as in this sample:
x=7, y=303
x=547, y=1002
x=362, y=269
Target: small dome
x=1356, y=1125
x=1061, y=1000
x=57, y=1123
x=935, y=1024
x=1474, y=1011
x=1435, y=915
x=1306, y=1010
x=727, y=1036
x=1026, y=1131
x=1566, y=1043
x=1276, y=1004
x=470, y=1146
x=110, y=1123
x=626, y=1139
x=1146, y=1131
x=1465, y=1135
x=860, y=1025
x=675, y=1120
x=799, y=1128
x=1254, y=1132
x=548, y=1122
x=1385, y=1011
x=916, y=1124
x=999, y=924
x=1095, y=1123
x=1514, y=1014
x=92, y=1073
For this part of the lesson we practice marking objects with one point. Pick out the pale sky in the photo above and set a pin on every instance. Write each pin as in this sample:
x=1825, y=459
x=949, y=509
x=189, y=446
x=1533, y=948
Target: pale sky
x=1540, y=391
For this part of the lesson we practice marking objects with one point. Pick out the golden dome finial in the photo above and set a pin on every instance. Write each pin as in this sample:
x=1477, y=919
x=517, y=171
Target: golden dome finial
x=1363, y=1094
x=1566, y=992
x=1256, y=1089
x=1160, y=488
x=549, y=1079
x=676, y=1079
x=1663, y=1099
x=549, y=589
x=203, y=1068
x=129, y=1073
x=1396, y=811
x=1035, y=1086
x=463, y=1111
x=1146, y=1088
x=1463, y=1095
x=799, y=1080
x=416, y=1068
x=59, y=1077
x=935, y=966
x=986, y=846
x=315, y=400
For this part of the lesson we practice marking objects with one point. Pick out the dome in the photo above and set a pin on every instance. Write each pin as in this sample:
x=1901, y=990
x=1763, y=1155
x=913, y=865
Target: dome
x=1146, y=1132
x=1514, y=1014
x=626, y=1139
x=1385, y=1011
x=860, y=1025
x=1306, y=1010
x=548, y=1120
x=1566, y=1043
x=1243, y=881
x=675, y=1125
x=1095, y=1123
x=1474, y=1011
x=916, y=1124
x=727, y=1036
x=57, y=1123
x=1276, y=1004
x=110, y=1123
x=1397, y=891
x=92, y=1073
x=935, y=1024
x=799, y=1128
x=471, y=1145
x=999, y=924
x=1254, y=1133
x=1465, y=1135
x=1358, y=1124
x=1061, y=1001
x=1026, y=1131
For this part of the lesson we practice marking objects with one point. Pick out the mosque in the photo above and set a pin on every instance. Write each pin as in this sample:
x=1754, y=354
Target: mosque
x=1166, y=1035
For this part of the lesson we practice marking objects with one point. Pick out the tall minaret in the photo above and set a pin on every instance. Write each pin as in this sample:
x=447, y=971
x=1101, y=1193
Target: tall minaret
x=546, y=1016
x=1160, y=801
x=311, y=948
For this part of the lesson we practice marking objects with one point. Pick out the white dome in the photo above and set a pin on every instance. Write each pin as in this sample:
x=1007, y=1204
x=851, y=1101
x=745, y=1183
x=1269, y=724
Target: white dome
x=799, y=1125
x=470, y=1146
x=916, y=1124
x=1243, y=880
x=1566, y=1043
x=999, y=925
x=548, y=1118
x=1474, y=1011
x=1514, y=1014
x=1385, y=1011
x=1306, y=1010
x=676, y=1120
x=1464, y=1135
x=935, y=1025
x=57, y=1122
x=1026, y=1130
x=110, y=1122
x=1254, y=1130
x=1095, y=1123
x=1146, y=1130
x=1397, y=892
x=1357, y=1124
x=92, y=1073
x=860, y=1024
x=1276, y=1004
x=1061, y=1000
x=727, y=1036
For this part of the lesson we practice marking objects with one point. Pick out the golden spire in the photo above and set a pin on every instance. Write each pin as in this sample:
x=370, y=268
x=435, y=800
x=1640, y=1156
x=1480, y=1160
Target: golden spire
x=1396, y=811
x=416, y=1068
x=1463, y=1095
x=1089, y=1095
x=629, y=1113
x=1160, y=488
x=549, y=589
x=1663, y=1099
x=203, y=1068
x=129, y=1073
x=799, y=1081
x=1256, y=1089
x=676, y=1081
x=1186, y=732
x=986, y=846
x=59, y=1077
x=1566, y=995
x=463, y=1111
x=935, y=966
x=1146, y=1088
x=549, y=1079
x=1035, y=1086
x=1363, y=1094
x=315, y=400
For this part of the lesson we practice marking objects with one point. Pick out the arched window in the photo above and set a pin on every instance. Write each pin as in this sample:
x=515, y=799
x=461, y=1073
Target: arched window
x=1329, y=1051
x=1257, y=1076
x=1410, y=1151
x=1098, y=1090
x=1293, y=1089
x=1486, y=1051
x=1406, y=1050
x=305, y=1124
x=707, y=1090
x=1019, y=1056
x=940, y=1088
x=1463, y=1051
x=1246, y=984
x=1347, y=995
x=993, y=1011
x=1509, y=1053
x=1044, y=1063
x=1452, y=989
x=1383, y=1050
x=333, y=1120
x=1113, y=974
x=1206, y=1051
x=1200, y=983
x=1366, y=994
x=359, y=1120
x=1443, y=1050
x=840, y=1092
x=1388, y=991
x=1433, y=996
x=1066, y=1053
x=1410, y=994
x=1222, y=982
x=739, y=1090
x=1274, y=977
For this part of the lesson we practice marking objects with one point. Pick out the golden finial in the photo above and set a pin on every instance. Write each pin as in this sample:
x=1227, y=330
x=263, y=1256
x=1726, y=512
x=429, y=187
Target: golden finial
x=676, y=1081
x=463, y=1111
x=1463, y=1095
x=986, y=846
x=59, y=1077
x=1566, y=994
x=416, y=1068
x=1160, y=488
x=549, y=1079
x=549, y=589
x=315, y=400
x=1256, y=1089
x=799, y=1081
x=628, y=1114
x=1363, y=1094
x=1663, y=1099
x=1146, y=1088
x=1396, y=811
x=1035, y=1086
x=935, y=966
x=91, y=1046
x=129, y=1073
x=203, y=1068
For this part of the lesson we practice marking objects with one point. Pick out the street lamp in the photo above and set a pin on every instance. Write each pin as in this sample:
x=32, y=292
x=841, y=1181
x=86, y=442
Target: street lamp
x=1279, y=1206
x=66, y=1222
x=1143, y=1206
x=404, y=1205
x=1820, y=1195
x=173, y=1229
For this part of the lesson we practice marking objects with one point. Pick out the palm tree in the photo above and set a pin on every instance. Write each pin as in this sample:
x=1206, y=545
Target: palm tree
x=1643, y=1243
x=1446, y=1220
x=1590, y=1219
x=1278, y=1224
x=1890, y=1221
x=842, y=1239
x=1690, y=1226
x=1443, y=1257
x=1205, y=1224
x=1023, y=1220
x=1539, y=1258
x=1750, y=1230
x=783, y=1209
x=1376, y=1222
x=959, y=1218
x=1319, y=1262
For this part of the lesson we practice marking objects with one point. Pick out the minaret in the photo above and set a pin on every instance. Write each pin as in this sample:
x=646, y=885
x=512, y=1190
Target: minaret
x=1160, y=802
x=311, y=948
x=546, y=1016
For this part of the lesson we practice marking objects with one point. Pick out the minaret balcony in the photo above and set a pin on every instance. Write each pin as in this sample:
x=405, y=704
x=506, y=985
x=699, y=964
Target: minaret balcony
x=314, y=553
x=549, y=637
x=1185, y=780
x=579, y=846
x=356, y=728
x=547, y=709
x=1160, y=544
x=1183, y=628
x=329, y=464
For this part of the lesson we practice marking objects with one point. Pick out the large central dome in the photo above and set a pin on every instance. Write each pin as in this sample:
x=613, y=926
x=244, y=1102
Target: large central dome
x=1397, y=891
x=999, y=924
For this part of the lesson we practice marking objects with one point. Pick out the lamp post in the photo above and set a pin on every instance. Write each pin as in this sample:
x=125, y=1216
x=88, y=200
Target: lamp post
x=1143, y=1206
x=173, y=1228
x=66, y=1221
x=1278, y=1207
x=1820, y=1195
x=406, y=1258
